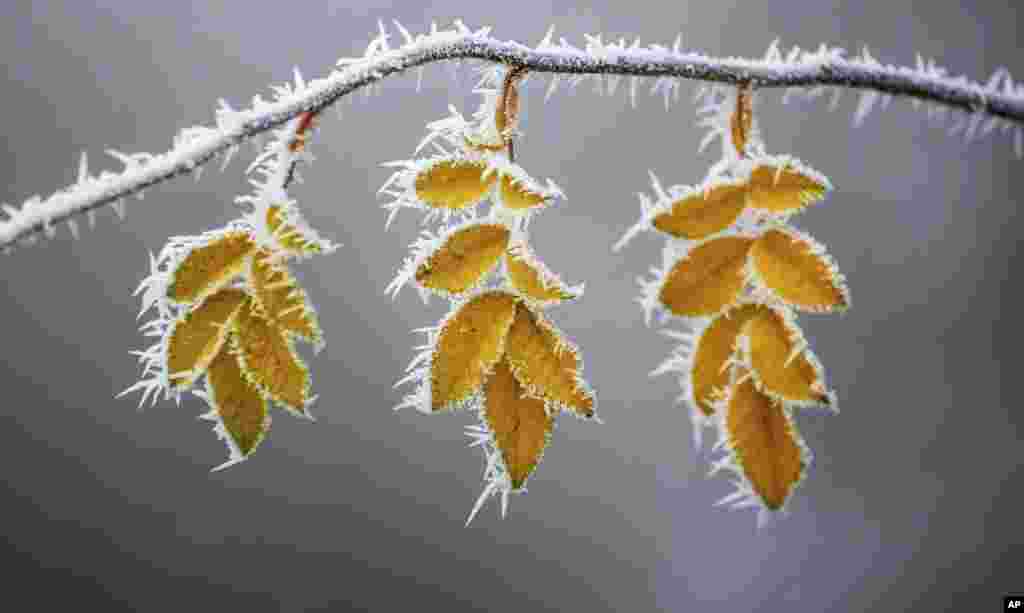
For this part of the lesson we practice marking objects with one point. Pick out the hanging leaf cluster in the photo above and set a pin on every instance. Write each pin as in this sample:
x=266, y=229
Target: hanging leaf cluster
x=495, y=352
x=738, y=273
x=230, y=310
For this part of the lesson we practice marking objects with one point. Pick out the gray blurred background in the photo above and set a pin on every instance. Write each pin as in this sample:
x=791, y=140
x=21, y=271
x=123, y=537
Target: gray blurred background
x=914, y=500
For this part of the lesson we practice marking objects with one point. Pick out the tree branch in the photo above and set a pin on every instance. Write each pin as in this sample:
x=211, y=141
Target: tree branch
x=999, y=103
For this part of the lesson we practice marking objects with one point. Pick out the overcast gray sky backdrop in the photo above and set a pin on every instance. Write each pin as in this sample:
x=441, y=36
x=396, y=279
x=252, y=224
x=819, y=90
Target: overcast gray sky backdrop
x=915, y=496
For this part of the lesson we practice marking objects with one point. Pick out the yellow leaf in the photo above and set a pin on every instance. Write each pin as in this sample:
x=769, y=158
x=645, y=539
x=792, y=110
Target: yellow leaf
x=766, y=445
x=708, y=279
x=464, y=259
x=546, y=363
x=199, y=336
x=521, y=194
x=776, y=351
x=468, y=346
x=453, y=183
x=709, y=375
x=270, y=363
x=289, y=236
x=783, y=187
x=210, y=267
x=703, y=211
x=531, y=278
x=279, y=299
x=520, y=424
x=241, y=408
x=797, y=270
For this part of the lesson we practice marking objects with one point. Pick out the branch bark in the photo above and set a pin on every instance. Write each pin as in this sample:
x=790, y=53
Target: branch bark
x=199, y=146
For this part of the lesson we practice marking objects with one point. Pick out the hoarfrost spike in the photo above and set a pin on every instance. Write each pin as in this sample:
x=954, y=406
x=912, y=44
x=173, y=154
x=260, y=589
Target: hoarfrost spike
x=546, y=41
x=489, y=490
x=384, y=36
x=833, y=104
x=83, y=168
x=228, y=156
x=552, y=86
x=405, y=33
x=656, y=184
x=864, y=106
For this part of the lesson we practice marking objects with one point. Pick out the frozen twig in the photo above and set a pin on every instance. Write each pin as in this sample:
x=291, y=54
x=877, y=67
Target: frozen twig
x=1000, y=99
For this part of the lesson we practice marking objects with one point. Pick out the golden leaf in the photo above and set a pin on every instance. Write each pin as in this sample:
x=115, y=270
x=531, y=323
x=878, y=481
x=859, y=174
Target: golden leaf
x=531, y=278
x=464, y=259
x=767, y=447
x=289, y=236
x=708, y=279
x=242, y=409
x=520, y=424
x=270, y=363
x=453, y=183
x=546, y=363
x=279, y=299
x=210, y=267
x=199, y=336
x=781, y=187
x=468, y=346
x=709, y=375
x=777, y=352
x=703, y=211
x=796, y=270
x=520, y=194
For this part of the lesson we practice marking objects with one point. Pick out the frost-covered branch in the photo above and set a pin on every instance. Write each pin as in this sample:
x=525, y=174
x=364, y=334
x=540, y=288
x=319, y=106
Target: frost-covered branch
x=983, y=107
